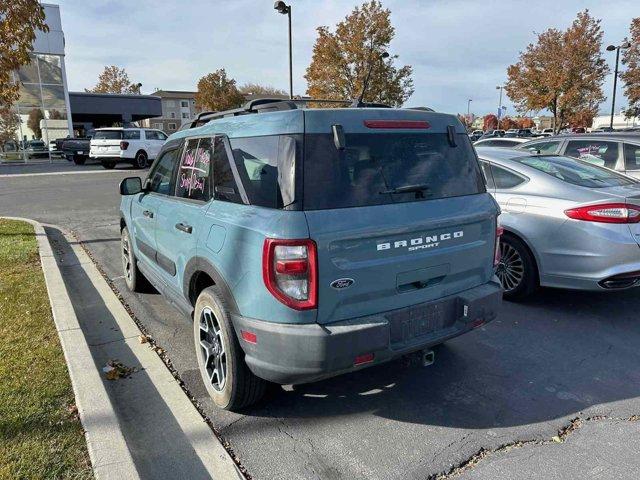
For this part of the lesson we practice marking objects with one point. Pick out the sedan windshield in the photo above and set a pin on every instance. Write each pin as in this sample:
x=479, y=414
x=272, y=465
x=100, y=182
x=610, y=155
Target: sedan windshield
x=576, y=172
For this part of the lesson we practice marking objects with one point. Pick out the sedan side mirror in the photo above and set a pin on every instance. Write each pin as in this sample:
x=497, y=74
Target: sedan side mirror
x=130, y=186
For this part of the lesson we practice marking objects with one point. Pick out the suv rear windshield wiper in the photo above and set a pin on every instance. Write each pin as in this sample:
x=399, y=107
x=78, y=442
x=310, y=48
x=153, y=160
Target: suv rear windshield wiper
x=417, y=188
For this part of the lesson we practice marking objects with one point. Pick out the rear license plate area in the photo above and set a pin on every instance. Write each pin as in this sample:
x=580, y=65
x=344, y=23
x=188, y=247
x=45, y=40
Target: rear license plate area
x=418, y=321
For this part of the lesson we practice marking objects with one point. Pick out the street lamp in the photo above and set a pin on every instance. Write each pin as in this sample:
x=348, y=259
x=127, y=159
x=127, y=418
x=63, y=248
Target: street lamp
x=469, y=107
x=499, y=87
x=285, y=9
x=611, y=48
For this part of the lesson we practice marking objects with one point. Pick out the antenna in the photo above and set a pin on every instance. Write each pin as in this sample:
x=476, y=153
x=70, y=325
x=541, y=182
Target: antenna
x=358, y=103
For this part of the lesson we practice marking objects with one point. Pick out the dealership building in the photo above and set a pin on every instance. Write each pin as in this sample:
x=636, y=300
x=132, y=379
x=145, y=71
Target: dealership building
x=47, y=111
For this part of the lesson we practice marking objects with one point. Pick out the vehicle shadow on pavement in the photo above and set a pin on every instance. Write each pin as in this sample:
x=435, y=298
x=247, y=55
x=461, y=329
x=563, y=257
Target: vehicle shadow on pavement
x=557, y=355
x=156, y=441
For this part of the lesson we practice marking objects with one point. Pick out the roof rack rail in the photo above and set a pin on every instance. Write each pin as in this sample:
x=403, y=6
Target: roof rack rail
x=269, y=105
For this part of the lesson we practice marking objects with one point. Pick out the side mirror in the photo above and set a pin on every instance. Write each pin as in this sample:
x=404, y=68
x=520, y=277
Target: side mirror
x=130, y=186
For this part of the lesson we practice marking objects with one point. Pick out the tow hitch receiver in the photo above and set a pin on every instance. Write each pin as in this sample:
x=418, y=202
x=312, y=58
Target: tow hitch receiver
x=427, y=357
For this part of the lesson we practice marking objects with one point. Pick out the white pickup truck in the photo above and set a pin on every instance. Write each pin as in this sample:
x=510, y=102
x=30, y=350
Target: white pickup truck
x=138, y=146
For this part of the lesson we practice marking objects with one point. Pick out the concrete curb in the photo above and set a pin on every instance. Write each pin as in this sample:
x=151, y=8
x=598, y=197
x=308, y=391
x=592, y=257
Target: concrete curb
x=107, y=447
x=110, y=456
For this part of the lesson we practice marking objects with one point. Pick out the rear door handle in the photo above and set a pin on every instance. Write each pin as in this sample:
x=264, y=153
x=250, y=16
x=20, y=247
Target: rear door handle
x=184, y=227
x=148, y=213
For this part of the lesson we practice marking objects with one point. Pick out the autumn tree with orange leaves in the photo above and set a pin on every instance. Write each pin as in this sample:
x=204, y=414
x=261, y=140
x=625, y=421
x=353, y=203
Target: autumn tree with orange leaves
x=562, y=72
x=19, y=22
x=631, y=77
x=490, y=122
x=341, y=59
x=115, y=80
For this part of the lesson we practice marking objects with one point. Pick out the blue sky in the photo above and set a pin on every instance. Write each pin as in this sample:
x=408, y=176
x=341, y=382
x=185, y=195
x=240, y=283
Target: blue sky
x=459, y=49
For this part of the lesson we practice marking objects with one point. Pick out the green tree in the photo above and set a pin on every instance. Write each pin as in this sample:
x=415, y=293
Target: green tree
x=341, y=59
x=115, y=80
x=19, y=22
x=217, y=92
x=261, y=90
x=33, y=122
x=631, y=77
x=9, y=123
x=562, y=72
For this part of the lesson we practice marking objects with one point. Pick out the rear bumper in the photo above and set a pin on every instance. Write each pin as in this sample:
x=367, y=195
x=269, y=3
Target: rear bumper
x=292, y=354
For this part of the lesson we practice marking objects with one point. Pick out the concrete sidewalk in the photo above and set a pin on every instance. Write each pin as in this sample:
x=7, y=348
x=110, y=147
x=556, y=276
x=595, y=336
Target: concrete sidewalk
x=141, y=425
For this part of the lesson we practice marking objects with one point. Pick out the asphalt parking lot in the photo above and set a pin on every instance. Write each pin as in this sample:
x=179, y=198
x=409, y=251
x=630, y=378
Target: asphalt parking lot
x=501, y=392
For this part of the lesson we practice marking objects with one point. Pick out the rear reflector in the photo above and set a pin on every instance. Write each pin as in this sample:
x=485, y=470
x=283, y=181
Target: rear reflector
x=249, y=336
x=477, y=323
x=606, y=213
x=404, y=124
x=362, y=359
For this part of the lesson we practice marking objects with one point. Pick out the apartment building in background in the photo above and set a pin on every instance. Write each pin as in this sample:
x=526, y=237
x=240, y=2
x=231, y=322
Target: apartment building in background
x=177, y=107
x=180, y=106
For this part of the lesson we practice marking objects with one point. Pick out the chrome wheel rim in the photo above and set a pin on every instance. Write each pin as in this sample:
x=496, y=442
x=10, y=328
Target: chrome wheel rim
x=212, y=349
x=510, y=270
x=127, y=260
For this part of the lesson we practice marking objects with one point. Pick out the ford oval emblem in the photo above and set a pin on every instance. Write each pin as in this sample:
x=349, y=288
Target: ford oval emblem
x=341, y=283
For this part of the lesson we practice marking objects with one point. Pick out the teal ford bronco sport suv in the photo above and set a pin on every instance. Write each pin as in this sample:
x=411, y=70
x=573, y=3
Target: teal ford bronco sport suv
x=306, y=243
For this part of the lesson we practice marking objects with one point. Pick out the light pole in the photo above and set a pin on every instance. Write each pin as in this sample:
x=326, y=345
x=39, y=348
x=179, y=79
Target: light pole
x=611, y=48
x=469, y=107
x=285, y=9
x=499, y=87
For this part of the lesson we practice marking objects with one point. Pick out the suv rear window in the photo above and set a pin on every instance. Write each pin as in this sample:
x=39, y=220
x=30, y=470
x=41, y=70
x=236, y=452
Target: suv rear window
x=575, y=171
x=108, y=135
x=373, y=164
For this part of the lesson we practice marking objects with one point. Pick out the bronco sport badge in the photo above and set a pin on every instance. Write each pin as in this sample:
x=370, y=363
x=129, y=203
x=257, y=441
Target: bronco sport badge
x=424, y=241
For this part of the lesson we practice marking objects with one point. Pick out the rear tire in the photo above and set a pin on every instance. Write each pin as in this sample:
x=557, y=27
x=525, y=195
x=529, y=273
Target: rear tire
x=79, y=160
x=135, y=280
x=141, y=160
x=108, y=165
x=228, y=380
x=517, y=270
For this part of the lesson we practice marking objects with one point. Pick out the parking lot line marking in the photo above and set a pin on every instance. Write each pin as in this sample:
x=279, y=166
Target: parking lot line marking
x=40, y=174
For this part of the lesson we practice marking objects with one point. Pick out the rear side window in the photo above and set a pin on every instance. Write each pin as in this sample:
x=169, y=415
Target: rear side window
x=267, y=167
x=108, y=135
x=631, y=156
x=193, y=179
x=224, y=184
x=131, y=134
x=503, y=178
x=150, y=135
x=542, y=147
x=373, y=164
x=575, y=171
x=598, y=152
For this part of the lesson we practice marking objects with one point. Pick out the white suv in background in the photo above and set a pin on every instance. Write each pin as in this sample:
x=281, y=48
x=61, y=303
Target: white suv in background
x=138, y=146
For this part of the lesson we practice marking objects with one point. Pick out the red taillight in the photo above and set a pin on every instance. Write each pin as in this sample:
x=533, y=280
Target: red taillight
x=289, y=270
x=606, y=213
x=496, y=255
x=404, y=124
x=124, y=145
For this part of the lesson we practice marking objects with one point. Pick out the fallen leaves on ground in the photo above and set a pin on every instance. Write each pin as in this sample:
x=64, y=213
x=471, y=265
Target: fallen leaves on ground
x=116, y=369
